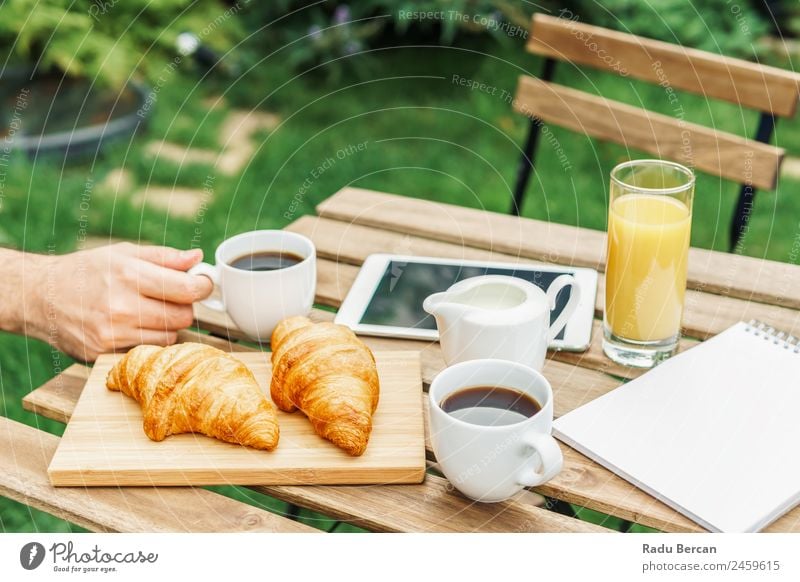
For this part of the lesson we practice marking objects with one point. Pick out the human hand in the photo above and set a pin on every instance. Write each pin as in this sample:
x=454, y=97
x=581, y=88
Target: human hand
x=118, y=296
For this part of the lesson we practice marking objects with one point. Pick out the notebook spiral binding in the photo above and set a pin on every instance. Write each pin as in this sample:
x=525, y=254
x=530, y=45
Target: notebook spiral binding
x=777, y=337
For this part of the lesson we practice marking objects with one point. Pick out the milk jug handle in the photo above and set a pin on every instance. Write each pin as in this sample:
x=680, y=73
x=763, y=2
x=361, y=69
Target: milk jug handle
x=552, y=293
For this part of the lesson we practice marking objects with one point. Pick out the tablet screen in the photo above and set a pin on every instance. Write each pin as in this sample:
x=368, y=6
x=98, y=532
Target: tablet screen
x=403, y=287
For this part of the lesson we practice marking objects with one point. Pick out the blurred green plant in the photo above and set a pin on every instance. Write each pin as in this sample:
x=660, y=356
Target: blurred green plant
x=786, y=15
x=313, y=33
x=727, y=27
x=110, y=40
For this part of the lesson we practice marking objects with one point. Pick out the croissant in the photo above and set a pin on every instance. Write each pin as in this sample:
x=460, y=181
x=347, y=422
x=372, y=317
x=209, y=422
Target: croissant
x=192, y=387
x=328, y=373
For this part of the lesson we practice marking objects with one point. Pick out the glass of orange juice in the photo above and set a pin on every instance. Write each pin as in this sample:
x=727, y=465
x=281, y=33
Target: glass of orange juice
x=649, y=225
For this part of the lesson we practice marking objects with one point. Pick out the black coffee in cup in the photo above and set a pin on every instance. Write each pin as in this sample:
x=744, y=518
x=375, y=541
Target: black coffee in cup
x=266, y=261
x=490, y=405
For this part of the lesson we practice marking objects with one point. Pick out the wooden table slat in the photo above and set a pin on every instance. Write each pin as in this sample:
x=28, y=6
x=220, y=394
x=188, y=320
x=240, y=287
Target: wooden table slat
x=430, y=507
x=710, y=271
x=25, y=453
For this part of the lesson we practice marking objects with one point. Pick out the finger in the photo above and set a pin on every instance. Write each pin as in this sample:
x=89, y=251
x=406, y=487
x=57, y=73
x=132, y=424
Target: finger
x=168, y=284
x=163, y=315
x=165, y=256
x=155, y=337
x=205, y=286
x=127, y=338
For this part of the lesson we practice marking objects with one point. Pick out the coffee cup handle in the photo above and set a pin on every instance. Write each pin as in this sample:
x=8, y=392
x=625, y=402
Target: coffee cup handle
x=212, y=273
x=552, y=293
x=552, y=459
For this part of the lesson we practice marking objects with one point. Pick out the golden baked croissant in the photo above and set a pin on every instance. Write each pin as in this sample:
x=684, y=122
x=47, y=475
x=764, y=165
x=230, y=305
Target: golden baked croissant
x=327, y=372
x=192, y=387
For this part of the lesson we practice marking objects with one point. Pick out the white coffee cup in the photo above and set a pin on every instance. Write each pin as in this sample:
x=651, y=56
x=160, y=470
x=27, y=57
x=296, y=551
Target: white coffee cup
x=493, y=463
x=257, y=300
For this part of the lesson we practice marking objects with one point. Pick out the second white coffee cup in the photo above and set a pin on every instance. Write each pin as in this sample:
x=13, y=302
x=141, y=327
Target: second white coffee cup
x=257, y=300
x=485, y=459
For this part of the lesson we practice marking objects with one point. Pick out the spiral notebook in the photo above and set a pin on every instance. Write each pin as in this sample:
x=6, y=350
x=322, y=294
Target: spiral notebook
x=713, y=432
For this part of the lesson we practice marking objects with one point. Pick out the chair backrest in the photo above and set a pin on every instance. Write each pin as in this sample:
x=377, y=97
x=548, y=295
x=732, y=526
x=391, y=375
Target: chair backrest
x=770, y=90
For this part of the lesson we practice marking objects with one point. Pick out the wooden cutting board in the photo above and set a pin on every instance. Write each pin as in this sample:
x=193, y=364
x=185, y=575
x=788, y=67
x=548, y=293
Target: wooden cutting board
x=104, y=443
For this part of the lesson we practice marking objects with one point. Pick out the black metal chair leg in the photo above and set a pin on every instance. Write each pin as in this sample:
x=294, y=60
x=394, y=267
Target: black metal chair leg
x=525, y=167
x=744, y=205
x=293, y=512
x=741, y=216
x=526, y=161
x=559, y=506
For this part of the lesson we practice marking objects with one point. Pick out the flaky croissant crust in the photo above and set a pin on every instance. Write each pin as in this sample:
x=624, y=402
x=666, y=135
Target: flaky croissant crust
x=192, y=387
x=330, y=375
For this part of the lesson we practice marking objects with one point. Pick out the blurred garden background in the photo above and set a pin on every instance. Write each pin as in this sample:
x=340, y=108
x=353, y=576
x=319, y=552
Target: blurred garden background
x=241, y=122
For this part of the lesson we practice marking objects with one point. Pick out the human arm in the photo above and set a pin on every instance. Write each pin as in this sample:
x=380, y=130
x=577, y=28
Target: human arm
x=99, y=300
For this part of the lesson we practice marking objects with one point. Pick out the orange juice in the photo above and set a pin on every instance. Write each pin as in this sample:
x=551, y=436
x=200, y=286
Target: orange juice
x=648, y=248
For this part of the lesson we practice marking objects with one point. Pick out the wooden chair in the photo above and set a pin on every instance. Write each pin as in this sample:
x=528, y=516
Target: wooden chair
x=753, y=163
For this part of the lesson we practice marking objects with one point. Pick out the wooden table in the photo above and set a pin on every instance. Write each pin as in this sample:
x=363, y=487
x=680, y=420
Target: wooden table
x=351, y=225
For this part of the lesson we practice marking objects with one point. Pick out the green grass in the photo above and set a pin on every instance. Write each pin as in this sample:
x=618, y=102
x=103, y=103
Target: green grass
x=425, y=137
x=614, y=523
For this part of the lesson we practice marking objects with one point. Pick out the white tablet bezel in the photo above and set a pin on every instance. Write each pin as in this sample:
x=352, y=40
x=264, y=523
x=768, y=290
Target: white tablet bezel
x=577, y=334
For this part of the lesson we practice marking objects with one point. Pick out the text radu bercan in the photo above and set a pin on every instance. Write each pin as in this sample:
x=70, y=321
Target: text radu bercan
x=677, y=549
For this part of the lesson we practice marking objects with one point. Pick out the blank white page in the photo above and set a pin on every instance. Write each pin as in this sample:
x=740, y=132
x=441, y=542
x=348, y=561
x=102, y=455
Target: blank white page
x=713, y=432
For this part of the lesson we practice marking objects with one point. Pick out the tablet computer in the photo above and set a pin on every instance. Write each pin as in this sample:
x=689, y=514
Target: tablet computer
x=386, y=297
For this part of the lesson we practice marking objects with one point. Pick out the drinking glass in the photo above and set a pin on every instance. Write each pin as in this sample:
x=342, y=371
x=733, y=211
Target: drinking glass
x=649, y=225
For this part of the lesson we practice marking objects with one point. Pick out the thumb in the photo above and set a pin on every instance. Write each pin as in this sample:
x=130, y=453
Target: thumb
x=169, y=257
